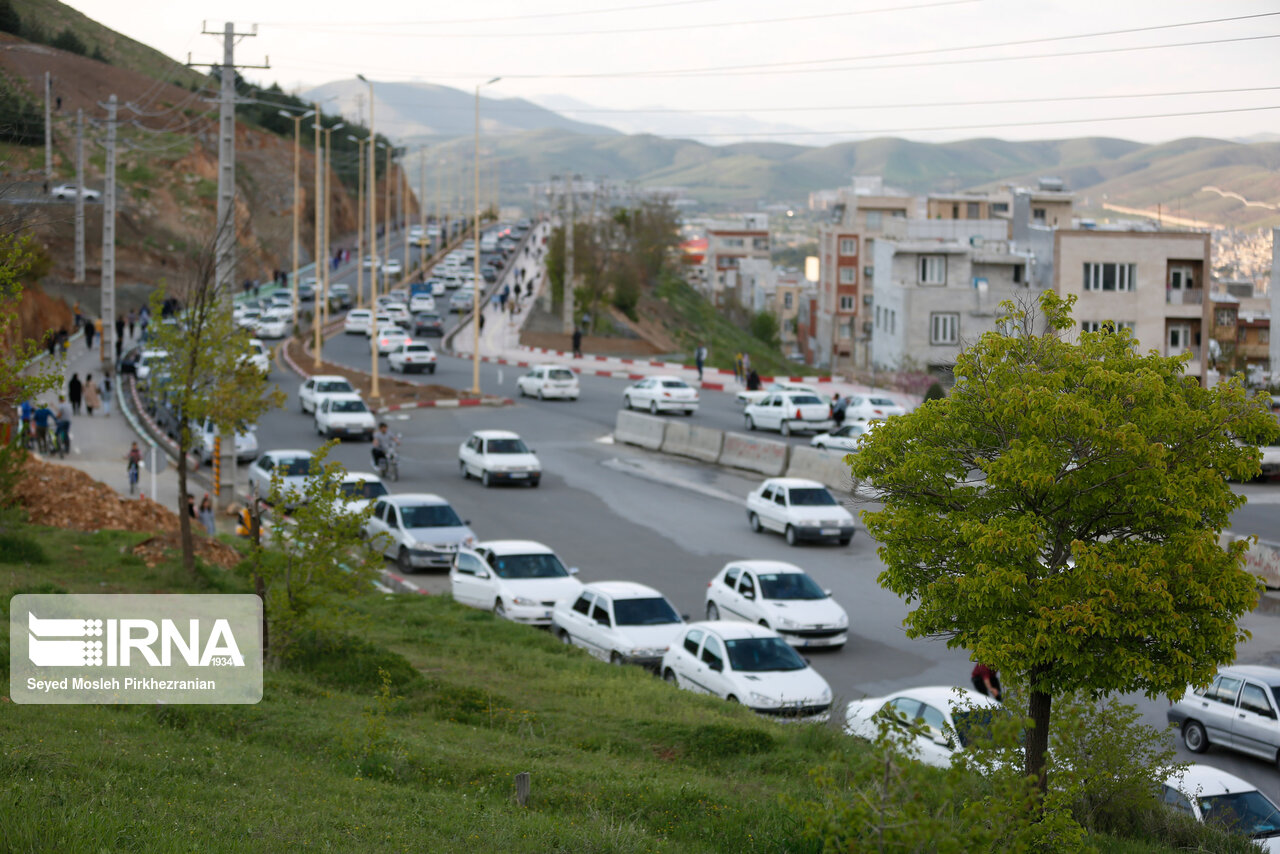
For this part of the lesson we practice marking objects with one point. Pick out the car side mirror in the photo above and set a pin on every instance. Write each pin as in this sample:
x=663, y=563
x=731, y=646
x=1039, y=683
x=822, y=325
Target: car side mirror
x=685, y=617
x=748, y=594
x=827, y=591
x=482, y=574
x=717, y=666
x=466, y=521
x=573, y=570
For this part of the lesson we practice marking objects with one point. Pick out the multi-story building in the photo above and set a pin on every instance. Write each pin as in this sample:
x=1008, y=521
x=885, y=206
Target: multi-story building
x=1050, y=205
x=728, y=245
x=1241, y=336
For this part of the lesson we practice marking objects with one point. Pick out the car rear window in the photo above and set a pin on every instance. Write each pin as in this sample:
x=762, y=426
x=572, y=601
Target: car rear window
x=674, y=384
x=805, y=399
x=644, y=612
x=560, y=374
x=882, y=401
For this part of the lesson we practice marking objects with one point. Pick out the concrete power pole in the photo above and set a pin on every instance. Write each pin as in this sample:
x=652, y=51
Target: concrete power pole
x=1273, y=348
x=108, y=309
x=48, y=128
x=567, y=303
x=79, y=278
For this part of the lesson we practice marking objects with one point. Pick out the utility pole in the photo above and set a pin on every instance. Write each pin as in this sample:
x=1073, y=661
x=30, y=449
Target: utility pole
x=567, y=290
x=322, y=263
x=359, y=221
x=439, y=190
x=108, y=310
x=79, y=277
x=48, y=128
x=422, y=205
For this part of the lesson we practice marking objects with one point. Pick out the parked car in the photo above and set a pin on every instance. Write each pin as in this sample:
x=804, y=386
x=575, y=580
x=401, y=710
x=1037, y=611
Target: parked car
x=661, y=394
x=357, y=322
x=620, y=622
x=847, y=437
x=389, y=338
x=427, y=323
x=518, y=580
x=930, y=723
x=780, y=596
x=413, y=357
x=202, y=447
x=421, y=302
x=70, y=191
x=292, y=467
x=498, y=456
x=419, y=530
x=344, y=416
x=756, y=395
x=545, y=381
x=360, y=489
x=1237, y=710
x=799, y=510
x=316, y=388
x=789, y=412
x=748, y=664
x=869, y=407
x=274, y=324
x=1212, y=796
x=259, y=356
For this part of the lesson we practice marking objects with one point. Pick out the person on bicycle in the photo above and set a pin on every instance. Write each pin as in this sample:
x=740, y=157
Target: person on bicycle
x=382, y=442
x=42, y=416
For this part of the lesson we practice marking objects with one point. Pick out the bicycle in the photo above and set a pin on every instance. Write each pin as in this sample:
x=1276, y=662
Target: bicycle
x=389, y=464
x=61, y=440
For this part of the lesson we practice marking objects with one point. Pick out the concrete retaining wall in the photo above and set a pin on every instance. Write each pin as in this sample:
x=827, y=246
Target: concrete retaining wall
x=1262, y=559
x=767, y=456
x=647, y=431
x=688, y=440
x=826, y=467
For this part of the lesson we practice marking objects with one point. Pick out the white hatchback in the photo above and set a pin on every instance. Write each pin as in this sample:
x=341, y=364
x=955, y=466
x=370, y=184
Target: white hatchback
x=799, y=510
x=661, y=394
x=748, y=664
x=357, y=322
x=518, y=580
x=544, y=381
x=498, y=456
x=931, y=723
x=344, y=416
x=421, y=302
x=847, y=437
x=788, y=412
x=412, y=357
x=388, y=339
x=620, y=622
x=870, y=407
x=780, y=596
x=314, y=389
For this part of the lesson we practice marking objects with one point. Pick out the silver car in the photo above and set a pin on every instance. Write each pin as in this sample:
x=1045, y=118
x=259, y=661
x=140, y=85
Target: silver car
x=1238, y=709
x=420, y=531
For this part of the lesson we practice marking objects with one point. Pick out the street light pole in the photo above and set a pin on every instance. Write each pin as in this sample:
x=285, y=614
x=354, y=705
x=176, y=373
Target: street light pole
x=322, y=309
x=373, y=250
x=297, y=212
x=319, y=252
x=477, y=289
x=359, y=220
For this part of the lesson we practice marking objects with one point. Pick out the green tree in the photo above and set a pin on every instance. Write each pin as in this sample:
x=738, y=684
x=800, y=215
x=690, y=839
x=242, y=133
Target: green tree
x=70, y=42
x=10, y=21
x=1058, y=515
x=764, y=327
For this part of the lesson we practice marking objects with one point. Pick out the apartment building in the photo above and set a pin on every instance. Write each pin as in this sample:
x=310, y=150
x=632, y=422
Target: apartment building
x=1050, y=204
x=1241, y=330
x=728, y=245
x=1153, y=282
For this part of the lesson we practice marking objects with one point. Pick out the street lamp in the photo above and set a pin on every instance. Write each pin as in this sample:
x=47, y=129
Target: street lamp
x=297, y=157
x=319, y=237
x=476, y=290
x=359, y=219
x=323, y=310
x=373, y=248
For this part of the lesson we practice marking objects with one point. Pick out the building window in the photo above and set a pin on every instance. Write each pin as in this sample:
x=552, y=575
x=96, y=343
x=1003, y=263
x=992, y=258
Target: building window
x=1000, y=207
x=1105, y=325
x=877, y=317
x=874, y=221
x=944, y=328
x=972, y=210
x=955, y=211
x=848, y=275
x=848, y=246
x=1264, y=336
x=1037, y=215
x=1241, y=334
x=760, y=244
x=933, y=269
x=1018, y=274
x=786, y=300
x=1109, y=277
x=893, y=322
x=734, y=242
x=1225, y=317
x=844, y=330
x=1181, y=278
x=847, y=303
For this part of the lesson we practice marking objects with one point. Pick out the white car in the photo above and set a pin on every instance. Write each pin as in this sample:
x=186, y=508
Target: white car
x=544, y=381
x=258, y=355
x=780, y=596
x=399, y=313
x=367, y=262
x=246, y=443
x=799, y=510
x=1212, y=796
x=392, y=267
x=357, y=322
x=148, y=361
x=620, y=622
x=437, y=287
x=246, y=317
x=274, y=324
x=421, y=302
x=359, y=490
x=389, y=338
x=280, y=301
x=661, y=394
x=748, y=664
x=947, y=717
x=498, y=456
x=380, y=321
x=293, y=468
x=413, y=357
x=1237, y=710
x=789, y=412
x=344, y=416
x=869, y=407
x=744, y=397
x=314, y=389
x=461, y=300
x=399, y=295
x=70, y=191
x=847, y=437
x=518, y=580
x=419, y=530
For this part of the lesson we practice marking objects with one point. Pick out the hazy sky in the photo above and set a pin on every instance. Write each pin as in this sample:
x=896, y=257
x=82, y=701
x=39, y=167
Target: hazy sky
x=854, y=67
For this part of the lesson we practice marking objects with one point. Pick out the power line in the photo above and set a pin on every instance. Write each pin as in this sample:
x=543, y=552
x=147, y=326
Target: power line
x=444, y=22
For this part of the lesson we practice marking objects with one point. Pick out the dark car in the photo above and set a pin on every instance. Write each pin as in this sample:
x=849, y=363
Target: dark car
x=427, y=323
x=339, y=296
x=489, y=275
x=306, y=291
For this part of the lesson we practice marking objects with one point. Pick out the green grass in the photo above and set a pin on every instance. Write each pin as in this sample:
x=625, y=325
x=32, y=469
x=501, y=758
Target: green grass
x=703, y=324
x=404, y=736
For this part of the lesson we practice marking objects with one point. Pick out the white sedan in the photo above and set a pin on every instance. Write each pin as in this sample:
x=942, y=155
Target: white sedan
x=70, y=191
x=380, y=321
x=799, y=510
x=392, y=267
x=518, y=580
x=274, y=324
x=845, y=438
x=389, y=338
x=788, y=412
x=315, y=388
x=545, y=381
x=421, y=302
x=748, y=664
x=748, y=396
x=357, y=322
x=413, y=356
x=780, y=596
x=399, y=313
x=930, y=723
x=661, y=394
x=360, y=489
x=870, y=407
x=291, y=467
x=419, y=530
x=497, y=456
x=367, y=262
x=620, y=622
x=258, y=355
x=344, y=416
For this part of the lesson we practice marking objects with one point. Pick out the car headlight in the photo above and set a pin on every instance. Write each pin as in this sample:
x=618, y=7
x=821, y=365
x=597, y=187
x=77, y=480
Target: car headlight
x=788, y=623
x=825, y=696
x=647, y=652
x=469, y=541
x=521, y=600
x=760, y=700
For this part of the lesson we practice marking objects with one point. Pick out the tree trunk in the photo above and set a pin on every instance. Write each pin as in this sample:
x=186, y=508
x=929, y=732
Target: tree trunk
x=184, y=515
x=1039, y=705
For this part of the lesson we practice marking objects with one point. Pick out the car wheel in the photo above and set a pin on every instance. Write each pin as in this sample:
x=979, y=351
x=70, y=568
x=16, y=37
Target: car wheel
x=462, y=469
x=499, y=610
x=791, y=536
x=713, y=613
x=615, y=659
x=626, y=402
x=731, y=699
x=198, y=457
x=565, y=639
x=402, y=558
x=533, y=484
x=431, y=369
x=1194, y=737
x=669, y=677
x=751, y=423
x=844, y=541
x=653, y=407
x=754, y=521
x=540, y=395
x=302, y=406
x=821, y=447
x=763, y=624
x=485, y=479
x=785, y=428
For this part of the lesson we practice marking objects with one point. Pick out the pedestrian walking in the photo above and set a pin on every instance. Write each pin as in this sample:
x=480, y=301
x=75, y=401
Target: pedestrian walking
x=133, y=322
x=75, y=311
x=75, y=391
x=119, y=326
x=206, y=515
x=502, y=297
x=753, y=380
x=482, y=321
x=839, y=408
x=517, y=292
x=737, y=366
x=62, y=420
x=577, y=342
x=985, y=681
x=191, y=506
x=144, y=320
x=92, y=400
x=88, y=335
x=106, y=395
x=51, y=342
x=700, y=359
x=119, y=349
x=746, y=365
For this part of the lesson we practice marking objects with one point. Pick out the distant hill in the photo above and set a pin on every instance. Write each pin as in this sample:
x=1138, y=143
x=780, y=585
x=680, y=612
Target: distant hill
x=713, y=128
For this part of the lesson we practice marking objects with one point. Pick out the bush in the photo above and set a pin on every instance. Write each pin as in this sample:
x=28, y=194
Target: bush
x=764, y=327
x=347, y=662
x=70, y=42
x=19, y=548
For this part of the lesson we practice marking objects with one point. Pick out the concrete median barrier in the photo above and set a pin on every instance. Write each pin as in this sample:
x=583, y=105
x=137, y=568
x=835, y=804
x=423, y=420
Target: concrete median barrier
x=647, y=431
x=767, y=456
x=826, y=467
x=688, y=440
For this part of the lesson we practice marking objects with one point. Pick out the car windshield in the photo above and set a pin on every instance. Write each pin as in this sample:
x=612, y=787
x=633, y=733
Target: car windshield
x=348, y=406
x=417, y=348
x=429, y=516
x=1243, y=812
x=560, y=374
x=428, y=318
x=674, y=384
x=757, y=655
x=528, y=566
x=811, y=496
x=789, y=585
x=363, y=489
x=506, y=446
x=882, y=401
x=805, y=399
x=644, y=612
x=294, y=466
x=850, y=430
x=334, y=386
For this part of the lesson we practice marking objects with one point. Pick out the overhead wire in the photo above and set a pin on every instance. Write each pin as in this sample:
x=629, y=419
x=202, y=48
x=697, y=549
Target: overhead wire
x=444, y=22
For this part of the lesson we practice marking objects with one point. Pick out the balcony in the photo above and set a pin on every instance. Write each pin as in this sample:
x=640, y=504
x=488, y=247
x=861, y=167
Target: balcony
x=1193, y=296
x=1177, y=351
